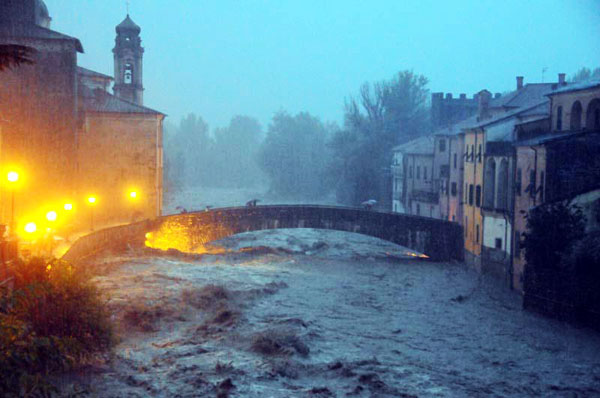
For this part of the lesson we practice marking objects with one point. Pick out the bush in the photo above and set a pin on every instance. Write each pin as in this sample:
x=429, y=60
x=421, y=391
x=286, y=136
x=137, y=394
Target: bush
x=552, y=231
x=53, y=320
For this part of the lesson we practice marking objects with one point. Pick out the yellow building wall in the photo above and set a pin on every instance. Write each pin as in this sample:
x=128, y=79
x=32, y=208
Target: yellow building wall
x=473, y=175
x=120, y=153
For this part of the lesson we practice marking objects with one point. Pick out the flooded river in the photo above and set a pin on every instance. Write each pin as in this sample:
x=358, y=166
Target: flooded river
x=329, y=314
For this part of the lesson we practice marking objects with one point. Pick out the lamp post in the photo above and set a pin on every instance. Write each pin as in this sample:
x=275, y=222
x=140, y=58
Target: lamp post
x=12, y=178
x=92, y=202
x=133, y=197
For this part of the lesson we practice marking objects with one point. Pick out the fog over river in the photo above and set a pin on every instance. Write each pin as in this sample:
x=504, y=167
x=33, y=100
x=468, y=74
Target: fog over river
x=329, y=314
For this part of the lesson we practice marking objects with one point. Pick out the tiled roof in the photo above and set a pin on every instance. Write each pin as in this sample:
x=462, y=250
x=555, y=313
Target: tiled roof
x=420, y=146
x=28, y=30
x=529, y=95
x=102, y=102
x=576, y=87
x=90, y=73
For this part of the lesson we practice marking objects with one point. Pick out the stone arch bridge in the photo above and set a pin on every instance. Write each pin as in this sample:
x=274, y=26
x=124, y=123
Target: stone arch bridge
x=190, y=232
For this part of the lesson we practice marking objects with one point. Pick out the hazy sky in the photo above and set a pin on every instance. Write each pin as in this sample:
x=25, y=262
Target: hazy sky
x=220, y=58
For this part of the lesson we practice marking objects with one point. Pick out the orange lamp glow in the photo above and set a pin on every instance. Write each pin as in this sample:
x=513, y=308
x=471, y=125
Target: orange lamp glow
x=30, y=228
x=92, y=200
x=133, y=195
x=51, y=216
x=12, y=176
x=68, y=207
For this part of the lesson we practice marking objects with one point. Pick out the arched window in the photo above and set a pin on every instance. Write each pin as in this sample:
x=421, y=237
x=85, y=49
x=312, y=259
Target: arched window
x=559, y=112
x=128, y=74
x=576, y=116
x=489, y=184
x=593, y=115
x=502, y=198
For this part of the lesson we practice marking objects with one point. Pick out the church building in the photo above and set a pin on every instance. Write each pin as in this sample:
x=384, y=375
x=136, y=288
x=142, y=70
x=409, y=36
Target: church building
x=69, y=137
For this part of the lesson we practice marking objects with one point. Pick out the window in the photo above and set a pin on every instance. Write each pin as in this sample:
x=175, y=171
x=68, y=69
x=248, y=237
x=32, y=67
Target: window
x=466, y=191
x=576, y=111
x=531, y=186
x=542, y=186
x=418, y=172
x=489, y=183
x=425, y=173
x=453, y=189
x=498, y=243
x=455, y=160
x=479, y=154
x=453, y=217
x=478, y=196
x=559, y=112
x=442, y=145
x=517, y=244
x=518, y=182
x=477, y=234
x=418, y=209
x=128, y=74
x=444, y=171
x=471, y=195
x=472, y=153
x=410, y=172
x=466, y=226
x=502, y=198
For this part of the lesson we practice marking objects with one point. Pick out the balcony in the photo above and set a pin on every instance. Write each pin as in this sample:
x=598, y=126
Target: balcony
x=425, y=196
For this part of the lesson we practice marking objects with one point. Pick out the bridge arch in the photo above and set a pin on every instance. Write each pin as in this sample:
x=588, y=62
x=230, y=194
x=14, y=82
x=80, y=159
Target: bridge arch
x=190, y=232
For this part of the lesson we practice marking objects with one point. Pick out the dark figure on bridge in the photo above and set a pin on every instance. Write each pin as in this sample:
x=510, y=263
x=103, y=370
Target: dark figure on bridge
x=368, y=204
x=252, y=203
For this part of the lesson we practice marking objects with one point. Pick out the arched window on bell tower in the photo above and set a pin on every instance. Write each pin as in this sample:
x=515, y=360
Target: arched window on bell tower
x=128, y=74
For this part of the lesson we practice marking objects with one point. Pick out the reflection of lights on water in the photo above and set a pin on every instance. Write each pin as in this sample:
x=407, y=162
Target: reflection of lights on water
x=174, y=235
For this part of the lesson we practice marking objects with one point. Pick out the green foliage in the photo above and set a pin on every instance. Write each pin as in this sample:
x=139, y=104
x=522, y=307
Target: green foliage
x=552, y=231
x=388, y=113
x=294, y=156
x=52, y=320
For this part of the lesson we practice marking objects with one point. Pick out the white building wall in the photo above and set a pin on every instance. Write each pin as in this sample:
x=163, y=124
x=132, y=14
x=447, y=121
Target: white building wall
x=494, y=228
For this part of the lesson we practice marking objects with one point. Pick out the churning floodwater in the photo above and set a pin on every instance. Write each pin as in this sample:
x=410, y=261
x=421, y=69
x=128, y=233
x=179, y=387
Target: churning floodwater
x=329, y=314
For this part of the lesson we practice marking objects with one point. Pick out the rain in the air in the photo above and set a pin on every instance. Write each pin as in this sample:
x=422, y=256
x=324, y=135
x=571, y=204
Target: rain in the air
x=300, y=198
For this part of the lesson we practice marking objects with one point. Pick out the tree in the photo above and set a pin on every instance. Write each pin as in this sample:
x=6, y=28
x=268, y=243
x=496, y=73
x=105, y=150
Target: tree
x=294, y=156
x=13, y=55
x=585, y=74
x=552, y=230
x=387, y=113
x=235, y=153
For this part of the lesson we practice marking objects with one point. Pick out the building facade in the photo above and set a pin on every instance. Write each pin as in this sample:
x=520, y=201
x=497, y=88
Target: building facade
x=67, y=135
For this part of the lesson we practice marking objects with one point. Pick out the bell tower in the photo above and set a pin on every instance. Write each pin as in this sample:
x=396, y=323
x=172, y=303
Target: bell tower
x=128, y=53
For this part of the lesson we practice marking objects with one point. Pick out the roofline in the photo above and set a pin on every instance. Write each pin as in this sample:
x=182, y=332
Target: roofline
x=78, y=46
x=573, y=89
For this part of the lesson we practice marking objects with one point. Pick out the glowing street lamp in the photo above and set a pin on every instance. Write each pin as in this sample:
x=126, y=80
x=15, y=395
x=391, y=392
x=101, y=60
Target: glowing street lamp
x=68, y=206
x=51, y=216
x=30, y=228
x=92, y=202
x=133, y=195
x=12, y=178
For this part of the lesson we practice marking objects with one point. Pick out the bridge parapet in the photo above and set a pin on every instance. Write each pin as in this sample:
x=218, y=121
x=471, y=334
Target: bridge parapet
x=190, y=232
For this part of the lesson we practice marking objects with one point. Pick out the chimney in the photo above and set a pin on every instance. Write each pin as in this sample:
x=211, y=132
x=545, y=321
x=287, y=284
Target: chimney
x=483, y=104
x=561, y=79
x=519, y=82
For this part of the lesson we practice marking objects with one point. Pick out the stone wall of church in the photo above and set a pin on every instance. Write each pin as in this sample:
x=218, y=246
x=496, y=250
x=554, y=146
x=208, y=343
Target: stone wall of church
x=119, y=153
x=39, y=104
